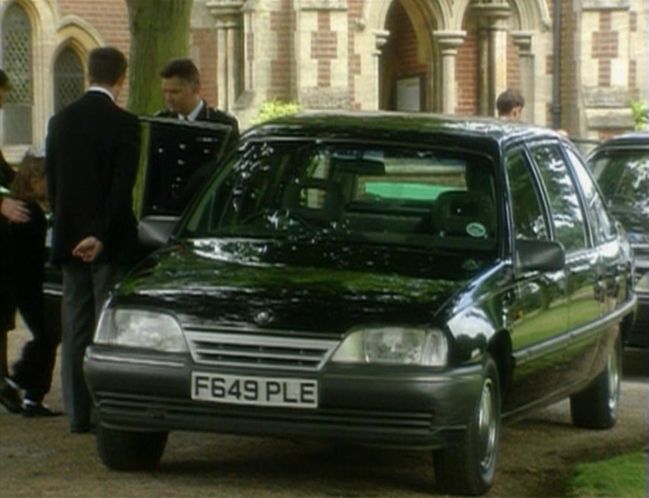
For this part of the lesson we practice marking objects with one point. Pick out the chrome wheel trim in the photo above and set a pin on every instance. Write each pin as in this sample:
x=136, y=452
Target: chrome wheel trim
x=487, y=425
x=613, y=377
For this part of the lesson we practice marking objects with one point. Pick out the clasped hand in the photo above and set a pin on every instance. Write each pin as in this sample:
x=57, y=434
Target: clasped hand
x=88, y=249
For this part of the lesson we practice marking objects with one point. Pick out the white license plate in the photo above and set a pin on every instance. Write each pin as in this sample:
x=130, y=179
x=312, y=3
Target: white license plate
x=260, y=391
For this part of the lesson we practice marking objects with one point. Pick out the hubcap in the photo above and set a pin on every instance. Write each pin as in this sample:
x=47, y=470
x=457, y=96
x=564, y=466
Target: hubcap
x=487, y=425
x=613, y=381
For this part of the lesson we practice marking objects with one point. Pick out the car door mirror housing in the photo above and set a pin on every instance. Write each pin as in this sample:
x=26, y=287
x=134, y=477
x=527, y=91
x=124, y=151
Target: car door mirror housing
x=539, y=255
x=155, y=231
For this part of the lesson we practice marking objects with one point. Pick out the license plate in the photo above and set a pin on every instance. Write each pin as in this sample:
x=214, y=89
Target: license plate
x=260, y=391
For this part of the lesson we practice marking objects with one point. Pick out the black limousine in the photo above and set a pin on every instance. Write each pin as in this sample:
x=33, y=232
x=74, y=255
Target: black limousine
x=404, y=280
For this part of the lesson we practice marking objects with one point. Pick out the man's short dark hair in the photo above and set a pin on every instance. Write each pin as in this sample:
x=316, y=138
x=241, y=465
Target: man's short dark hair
x=4, y=80
x=508, y=100
x=106, y=65
x=184, y=69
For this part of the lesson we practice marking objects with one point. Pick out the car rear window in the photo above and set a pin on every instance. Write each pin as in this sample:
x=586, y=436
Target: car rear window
x=383, y=194
x=623, y=177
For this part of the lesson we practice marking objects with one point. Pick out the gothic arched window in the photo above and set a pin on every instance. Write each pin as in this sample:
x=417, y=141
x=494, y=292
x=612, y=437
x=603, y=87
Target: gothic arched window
x=68, y=78
x=17, y=63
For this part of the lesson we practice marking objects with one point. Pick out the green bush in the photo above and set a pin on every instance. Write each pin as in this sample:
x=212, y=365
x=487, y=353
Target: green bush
x=640, y=114
x=272, y=109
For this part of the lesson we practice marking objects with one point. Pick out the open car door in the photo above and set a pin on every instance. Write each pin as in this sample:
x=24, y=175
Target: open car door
x=178, y=157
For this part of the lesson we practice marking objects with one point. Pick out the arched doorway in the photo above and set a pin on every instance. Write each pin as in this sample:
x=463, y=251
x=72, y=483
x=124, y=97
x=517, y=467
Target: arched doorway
x=406, y=69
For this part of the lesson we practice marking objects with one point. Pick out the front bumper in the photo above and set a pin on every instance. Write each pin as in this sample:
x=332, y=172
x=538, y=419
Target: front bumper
x=394, y=407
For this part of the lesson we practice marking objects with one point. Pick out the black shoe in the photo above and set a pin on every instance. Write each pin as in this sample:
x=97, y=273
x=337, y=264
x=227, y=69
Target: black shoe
x=35, y=410
x=10, y=397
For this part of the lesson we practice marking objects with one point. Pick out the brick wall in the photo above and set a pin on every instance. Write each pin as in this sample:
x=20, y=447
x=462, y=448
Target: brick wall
x=203, y=43
x=568, y=86
x=109, y=18
x=605, y=47
x=633, y=63
x=282, y=23
x=513, y=64
x=355, y=11
x=466, y=72
x=324, y=48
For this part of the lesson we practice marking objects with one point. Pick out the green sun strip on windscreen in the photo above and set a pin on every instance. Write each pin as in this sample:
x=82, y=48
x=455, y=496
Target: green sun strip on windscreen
x=406, y=190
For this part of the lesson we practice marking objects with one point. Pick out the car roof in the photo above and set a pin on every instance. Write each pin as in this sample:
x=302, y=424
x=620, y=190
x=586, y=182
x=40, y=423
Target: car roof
x=375, y=126
x=640, y=138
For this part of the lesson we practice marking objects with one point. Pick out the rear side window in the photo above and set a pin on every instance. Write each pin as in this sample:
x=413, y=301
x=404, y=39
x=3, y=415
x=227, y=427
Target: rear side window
x=567, y=216
x=603, y=228
x=623, y=177
x=527, y=213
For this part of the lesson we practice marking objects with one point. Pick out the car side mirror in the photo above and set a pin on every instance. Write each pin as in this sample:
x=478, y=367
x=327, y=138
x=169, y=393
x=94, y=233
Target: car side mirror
x=539, y=255
x=155, y=230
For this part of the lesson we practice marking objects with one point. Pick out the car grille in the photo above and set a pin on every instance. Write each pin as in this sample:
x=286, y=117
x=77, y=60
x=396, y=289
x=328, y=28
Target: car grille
x=247, y=349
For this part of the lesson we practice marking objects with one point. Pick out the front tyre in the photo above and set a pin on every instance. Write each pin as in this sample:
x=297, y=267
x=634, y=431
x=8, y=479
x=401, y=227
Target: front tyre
x=127, y=450
x=596, y=406
x=469, y=468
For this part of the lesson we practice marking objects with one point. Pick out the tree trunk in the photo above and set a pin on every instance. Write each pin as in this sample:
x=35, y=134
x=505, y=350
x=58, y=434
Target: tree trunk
x=159, y=32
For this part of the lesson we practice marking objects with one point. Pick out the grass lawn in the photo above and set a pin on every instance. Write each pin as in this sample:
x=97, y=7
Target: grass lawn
x=620, y=477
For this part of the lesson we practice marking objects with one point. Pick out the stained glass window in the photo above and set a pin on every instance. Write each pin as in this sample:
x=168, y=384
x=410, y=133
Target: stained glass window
x=17, y=63
x=68, y=78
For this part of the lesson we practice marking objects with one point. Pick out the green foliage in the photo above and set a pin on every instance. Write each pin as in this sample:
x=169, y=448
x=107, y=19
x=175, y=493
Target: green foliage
x=272, y=109
x=622, y=477
x=640, y=112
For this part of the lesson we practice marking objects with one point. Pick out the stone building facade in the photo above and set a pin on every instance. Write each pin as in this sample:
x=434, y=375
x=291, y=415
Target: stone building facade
x=579, y=73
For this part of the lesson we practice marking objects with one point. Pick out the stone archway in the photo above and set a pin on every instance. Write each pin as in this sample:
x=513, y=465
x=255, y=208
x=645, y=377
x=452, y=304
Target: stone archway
x=499, y=42
x=435, y=43
x=406, y=70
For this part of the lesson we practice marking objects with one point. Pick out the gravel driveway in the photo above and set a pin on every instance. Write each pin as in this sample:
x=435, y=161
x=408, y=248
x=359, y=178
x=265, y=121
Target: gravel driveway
x=39, y=458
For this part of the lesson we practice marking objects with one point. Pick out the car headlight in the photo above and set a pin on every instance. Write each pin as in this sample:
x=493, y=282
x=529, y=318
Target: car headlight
x=394, y=345
x=140, y=329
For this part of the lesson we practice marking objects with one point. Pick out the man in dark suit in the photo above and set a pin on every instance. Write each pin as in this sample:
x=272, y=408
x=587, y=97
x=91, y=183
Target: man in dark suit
x=181, y=86
x=185, y=156
x=92, y=154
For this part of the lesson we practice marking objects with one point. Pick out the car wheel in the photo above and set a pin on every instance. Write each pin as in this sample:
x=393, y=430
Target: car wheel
x=596, y=406
x=126, y=450
x=469, y=468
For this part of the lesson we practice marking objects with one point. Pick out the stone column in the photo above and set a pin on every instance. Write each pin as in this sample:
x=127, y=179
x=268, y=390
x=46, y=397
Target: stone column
x=493, y=16
x=523, y=41
x=228, y=25
x=448, y=41
x=380, y=39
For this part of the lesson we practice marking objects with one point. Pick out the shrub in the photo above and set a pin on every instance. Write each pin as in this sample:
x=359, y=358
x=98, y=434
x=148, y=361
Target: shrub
x=272, y=109
x=640, y=114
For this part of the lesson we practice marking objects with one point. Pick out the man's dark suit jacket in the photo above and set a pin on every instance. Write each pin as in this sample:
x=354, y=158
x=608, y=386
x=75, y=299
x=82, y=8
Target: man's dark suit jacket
x=210, y=115
x=92, y=154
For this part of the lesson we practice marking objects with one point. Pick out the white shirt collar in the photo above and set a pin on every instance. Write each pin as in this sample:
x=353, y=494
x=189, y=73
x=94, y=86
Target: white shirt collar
x=192, y=115
x=101, y=89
